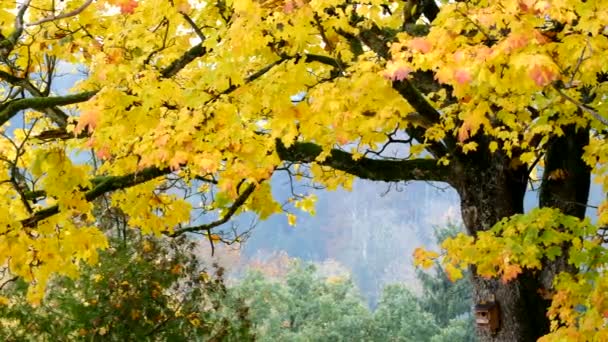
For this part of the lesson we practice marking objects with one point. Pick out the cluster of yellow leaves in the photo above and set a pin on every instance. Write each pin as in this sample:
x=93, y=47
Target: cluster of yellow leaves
x=60, y=243
x=152, y=211
x=56, y=248
x=502, y=57
x=205, y=118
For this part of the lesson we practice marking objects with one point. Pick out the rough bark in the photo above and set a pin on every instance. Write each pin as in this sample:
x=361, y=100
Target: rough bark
x=490, y=189
x=367, y=168
x=567, y=177
x=565, y=186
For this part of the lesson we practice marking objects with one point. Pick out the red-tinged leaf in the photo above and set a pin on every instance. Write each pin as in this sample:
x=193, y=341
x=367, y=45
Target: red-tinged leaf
x=459, y=56
x=526, y=6
x=342, y=139
x=517, y=41
x=177, y=160
x=289, y=7
x=400, y=74
x=464, y=132
x=420, y=45
x=397, y=71
x=542, y=75
x=541, y=38
x=462, y=76
x=103, y=153
x=183, y=6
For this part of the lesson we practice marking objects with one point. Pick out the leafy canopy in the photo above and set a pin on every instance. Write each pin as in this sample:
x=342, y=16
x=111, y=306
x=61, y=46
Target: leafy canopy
x=214, y=97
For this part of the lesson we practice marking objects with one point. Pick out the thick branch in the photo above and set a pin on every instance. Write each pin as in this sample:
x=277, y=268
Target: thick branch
x=581, y=106
x=103, y=185
x=430, y=9
x=9, y=43
x=367, y=168
x=377, y=40
x=54, y=113
x=231, y=211
x=49, y=104
x=14, y=80
x=414, y=97
x=196, y=51
x=40, y=103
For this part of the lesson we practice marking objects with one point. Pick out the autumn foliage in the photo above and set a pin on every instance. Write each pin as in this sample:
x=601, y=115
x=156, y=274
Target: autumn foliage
x=169, y=110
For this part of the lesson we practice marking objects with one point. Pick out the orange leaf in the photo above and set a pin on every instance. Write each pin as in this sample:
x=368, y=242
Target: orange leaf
x=103, y=153
x=424, y=258
x=510, y=272
x=88, y=119
x=400, y=74
x=420, y=44
x=128, y=6
x=464, y=131
x=542, y=75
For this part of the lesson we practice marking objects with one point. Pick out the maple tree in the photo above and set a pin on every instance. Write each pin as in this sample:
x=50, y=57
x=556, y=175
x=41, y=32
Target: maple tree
x=219, y=96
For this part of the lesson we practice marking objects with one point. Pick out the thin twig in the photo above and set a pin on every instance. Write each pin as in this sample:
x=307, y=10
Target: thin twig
x=231, y=211
x=62, y=15
x=582, y=107
x=578, y=65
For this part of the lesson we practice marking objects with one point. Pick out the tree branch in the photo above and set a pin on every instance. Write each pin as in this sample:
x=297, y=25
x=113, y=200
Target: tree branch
x=62, y=15
x=9, y=43
x=581, y=106
x=377, y=40
x=48, y=105
x=231, y=211
x=430, y=9
x=54, y=113
x=103, y=185
x=40, y=103
x=414, y=97
x=367, y=168
x=196, y=51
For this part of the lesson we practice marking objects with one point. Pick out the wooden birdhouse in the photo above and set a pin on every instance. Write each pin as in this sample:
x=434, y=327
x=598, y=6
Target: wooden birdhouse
x=487, y=316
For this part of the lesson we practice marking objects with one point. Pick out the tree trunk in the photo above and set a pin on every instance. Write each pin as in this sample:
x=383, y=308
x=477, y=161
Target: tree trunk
x=565, y=185
x=490, y=189
x=567, y=177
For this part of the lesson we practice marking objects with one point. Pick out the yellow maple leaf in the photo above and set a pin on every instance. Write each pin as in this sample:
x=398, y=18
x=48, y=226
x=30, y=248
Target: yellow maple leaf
x=424, y=258
x=291, y=219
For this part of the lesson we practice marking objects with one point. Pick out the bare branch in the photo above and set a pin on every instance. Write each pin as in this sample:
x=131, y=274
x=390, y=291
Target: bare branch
x=195, y=27
x=54, y=113
x=231, y=211
x=196, y=51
